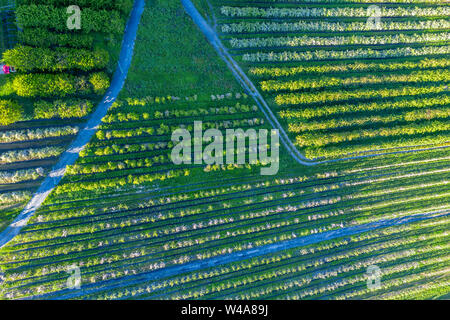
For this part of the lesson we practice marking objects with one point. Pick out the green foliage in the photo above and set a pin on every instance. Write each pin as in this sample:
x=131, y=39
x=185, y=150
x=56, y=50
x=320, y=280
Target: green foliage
x=391, y=105
x=342, y=95
x=315, y=83
x=121, y=196
x=360, y=53
x=40, y=37
x=6, y=87
x=340, y=90
x=305, y=41
x=280, y=12
x=338, y=151
x=319, y=139
x=349, y=67
x=36, y=134
x=50, y=85
x=26, y=59
x=351, y=122
x=10, y=112
x=62, y=109
x=330, y=26
x=30, y=154
x=112, y=166
x=99, y=82
x=115, y=183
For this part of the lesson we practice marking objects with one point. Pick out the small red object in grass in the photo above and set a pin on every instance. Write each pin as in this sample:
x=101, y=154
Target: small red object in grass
x=6, y=69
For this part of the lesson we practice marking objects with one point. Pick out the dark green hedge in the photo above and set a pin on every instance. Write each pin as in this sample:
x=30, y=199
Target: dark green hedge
x=10, y=112
x=42, y=16
x=120, y=5
x=39, y=37
x=27, y=59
